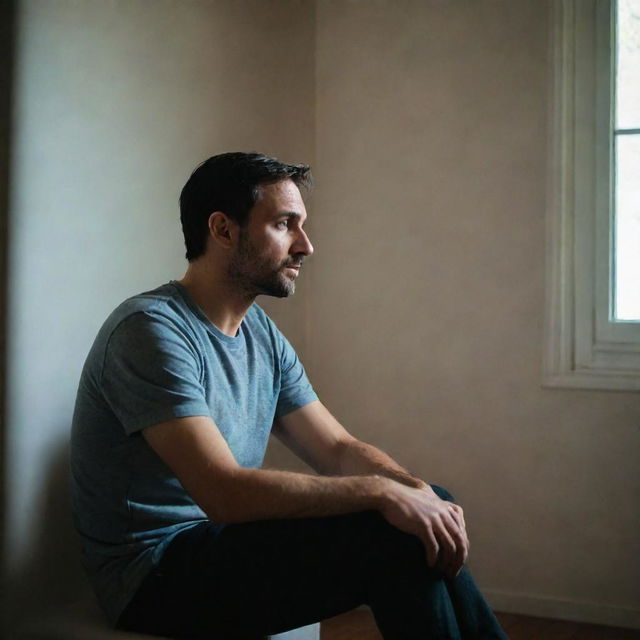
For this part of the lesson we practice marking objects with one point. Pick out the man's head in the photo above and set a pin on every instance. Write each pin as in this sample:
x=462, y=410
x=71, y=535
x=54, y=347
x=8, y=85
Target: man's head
x=268, y=252
x=229, y=183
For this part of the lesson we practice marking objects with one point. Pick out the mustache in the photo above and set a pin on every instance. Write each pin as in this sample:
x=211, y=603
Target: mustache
x=294, y=262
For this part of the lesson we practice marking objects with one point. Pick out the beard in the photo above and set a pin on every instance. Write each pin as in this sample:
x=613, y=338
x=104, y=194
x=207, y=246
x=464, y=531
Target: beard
x=259, y=275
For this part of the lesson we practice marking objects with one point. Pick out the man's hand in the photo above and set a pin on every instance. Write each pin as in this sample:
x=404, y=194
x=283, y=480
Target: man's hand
x=407, y=502
x=438, y=523
x=196, y=452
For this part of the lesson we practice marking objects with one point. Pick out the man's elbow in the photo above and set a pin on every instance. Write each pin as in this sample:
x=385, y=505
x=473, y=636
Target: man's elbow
x=227, y=502
x=216, y=513
x=224, y=512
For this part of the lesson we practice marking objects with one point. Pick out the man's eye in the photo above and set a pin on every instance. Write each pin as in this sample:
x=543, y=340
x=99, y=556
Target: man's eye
x=282, y=224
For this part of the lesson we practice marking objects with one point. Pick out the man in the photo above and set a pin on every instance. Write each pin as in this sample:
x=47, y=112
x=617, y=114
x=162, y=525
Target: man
x=183, y=533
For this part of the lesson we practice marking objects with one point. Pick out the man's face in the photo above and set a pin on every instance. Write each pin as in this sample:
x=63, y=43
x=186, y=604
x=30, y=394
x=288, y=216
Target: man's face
x=273, y=244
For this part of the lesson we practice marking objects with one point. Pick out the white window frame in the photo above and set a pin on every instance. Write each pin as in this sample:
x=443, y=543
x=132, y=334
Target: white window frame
x=584, y=346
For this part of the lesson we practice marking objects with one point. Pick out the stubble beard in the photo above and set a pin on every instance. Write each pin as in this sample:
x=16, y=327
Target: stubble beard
x=258, y=276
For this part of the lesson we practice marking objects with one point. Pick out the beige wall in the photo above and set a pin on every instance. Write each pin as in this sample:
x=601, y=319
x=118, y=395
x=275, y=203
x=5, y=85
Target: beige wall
x=420, y=318
x=116, y=102
x=428, y=296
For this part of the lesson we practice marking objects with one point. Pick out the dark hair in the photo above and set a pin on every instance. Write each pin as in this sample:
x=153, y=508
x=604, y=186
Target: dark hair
x=229, y=182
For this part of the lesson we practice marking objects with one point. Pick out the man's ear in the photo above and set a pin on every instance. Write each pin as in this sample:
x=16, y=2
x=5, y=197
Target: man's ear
x=222, y=230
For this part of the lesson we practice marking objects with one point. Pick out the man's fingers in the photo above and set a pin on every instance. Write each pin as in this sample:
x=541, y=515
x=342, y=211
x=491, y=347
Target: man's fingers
x=438, y=523
x=459, y=538
x=448, y=539
x=431, y=545
x=458, y=516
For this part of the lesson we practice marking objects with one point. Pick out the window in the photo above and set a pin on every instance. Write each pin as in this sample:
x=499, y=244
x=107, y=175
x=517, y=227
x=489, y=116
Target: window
x=626, y=141
x=592, y=338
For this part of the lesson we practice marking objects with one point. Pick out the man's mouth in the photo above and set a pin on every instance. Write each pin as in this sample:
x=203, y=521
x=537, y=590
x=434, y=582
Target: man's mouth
x=294, y=269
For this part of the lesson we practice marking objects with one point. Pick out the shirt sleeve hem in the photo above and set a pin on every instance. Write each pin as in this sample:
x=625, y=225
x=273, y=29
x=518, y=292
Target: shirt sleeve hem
x=297, y=403
x=182, y=411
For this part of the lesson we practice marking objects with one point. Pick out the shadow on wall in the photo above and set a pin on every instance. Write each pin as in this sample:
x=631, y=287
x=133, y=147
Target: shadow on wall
x=51, y=574
x=6, y=72
x=278, y=456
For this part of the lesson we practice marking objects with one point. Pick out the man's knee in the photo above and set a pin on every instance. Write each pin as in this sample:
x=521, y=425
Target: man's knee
x=442, y=493
x=385, y=543
x=370, y=533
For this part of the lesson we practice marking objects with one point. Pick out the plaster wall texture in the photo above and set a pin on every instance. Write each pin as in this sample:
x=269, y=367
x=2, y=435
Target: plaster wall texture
x=431, y=147
x=115, y=103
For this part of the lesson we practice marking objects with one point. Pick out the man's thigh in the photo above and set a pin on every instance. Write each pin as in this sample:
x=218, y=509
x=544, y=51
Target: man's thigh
x=269, y=576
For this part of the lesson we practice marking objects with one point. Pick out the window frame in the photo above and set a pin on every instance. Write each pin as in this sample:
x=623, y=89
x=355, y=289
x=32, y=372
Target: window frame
x=584, y=347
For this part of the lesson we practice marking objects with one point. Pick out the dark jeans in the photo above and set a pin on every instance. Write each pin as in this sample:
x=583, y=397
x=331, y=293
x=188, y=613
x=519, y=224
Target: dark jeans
x=243, y=581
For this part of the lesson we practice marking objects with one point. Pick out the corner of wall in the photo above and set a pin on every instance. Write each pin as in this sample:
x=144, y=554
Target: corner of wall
x=6, y=74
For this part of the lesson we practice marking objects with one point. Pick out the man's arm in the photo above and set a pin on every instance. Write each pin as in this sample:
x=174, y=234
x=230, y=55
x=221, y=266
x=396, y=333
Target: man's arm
x=196, y=452
x=321, y=441
x=315, y=436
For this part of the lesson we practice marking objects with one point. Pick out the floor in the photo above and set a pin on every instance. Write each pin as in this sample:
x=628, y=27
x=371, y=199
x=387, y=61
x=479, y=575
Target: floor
x=359, y=625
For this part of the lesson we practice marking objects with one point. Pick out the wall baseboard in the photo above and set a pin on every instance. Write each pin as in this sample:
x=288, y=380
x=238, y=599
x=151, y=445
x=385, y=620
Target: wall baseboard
x=573, y=610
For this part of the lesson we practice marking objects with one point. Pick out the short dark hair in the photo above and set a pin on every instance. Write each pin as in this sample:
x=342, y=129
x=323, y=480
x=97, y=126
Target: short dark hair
x=230, y=183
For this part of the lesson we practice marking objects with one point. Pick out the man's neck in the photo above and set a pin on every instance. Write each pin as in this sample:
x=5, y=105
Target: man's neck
x=221, y=303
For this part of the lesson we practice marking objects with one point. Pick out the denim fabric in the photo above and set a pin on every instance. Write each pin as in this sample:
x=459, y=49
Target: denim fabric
x=244, y=581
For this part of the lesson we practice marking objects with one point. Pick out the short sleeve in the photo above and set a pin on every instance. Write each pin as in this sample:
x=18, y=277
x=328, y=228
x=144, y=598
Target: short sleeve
x=295, y=389
x=151, y=373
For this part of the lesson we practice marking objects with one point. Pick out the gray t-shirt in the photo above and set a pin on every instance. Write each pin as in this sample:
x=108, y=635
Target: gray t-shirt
x=158, y=357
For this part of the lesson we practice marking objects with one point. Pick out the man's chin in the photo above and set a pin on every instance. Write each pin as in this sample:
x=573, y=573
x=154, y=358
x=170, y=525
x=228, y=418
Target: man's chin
x=279, y=289
x=285, y=292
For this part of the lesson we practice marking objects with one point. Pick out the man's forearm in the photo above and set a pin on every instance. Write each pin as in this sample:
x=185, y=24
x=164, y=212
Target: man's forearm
x=259, y=494
x=359, y=458
x=363, y=478
x=255, y=494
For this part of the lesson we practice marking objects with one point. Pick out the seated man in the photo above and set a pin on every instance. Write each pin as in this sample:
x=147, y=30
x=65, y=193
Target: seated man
x=184, y=535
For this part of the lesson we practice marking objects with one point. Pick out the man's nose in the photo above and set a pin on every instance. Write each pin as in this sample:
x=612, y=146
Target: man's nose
x=303, y=244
